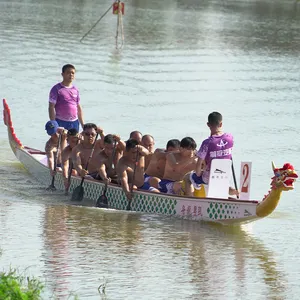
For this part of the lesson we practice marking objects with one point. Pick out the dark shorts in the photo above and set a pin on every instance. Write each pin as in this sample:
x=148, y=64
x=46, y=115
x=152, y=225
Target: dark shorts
x=146, y=177
x=197, y=185
x=68, y=125
x=95, y=175
x=166, y=186
x=146, y=187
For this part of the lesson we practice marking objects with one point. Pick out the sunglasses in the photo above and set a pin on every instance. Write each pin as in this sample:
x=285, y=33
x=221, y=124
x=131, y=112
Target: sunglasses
x=89, y=134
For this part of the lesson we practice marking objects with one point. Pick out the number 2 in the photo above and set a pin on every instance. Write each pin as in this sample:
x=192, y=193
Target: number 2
x=245, y=182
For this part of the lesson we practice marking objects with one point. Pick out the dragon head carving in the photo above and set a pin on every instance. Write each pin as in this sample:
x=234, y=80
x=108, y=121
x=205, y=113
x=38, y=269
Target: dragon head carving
x=284, y=177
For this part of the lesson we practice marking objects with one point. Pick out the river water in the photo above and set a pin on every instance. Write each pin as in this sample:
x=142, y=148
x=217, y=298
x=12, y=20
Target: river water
x=180, y=61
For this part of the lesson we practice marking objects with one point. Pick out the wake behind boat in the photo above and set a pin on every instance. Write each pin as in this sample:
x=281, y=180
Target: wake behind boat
x=220, y=210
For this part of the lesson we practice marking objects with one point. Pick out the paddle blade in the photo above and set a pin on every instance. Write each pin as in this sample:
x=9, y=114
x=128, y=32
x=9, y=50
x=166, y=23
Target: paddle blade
x=78, y=194
x=51, y=188
x=102, y=201
x=128, y=205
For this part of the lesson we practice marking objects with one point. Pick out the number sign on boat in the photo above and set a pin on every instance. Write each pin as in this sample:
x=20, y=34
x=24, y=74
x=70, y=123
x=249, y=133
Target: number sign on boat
x=245, y=180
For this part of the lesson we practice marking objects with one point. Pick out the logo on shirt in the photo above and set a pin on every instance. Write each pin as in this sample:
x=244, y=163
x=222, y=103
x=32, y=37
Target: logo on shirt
x=222, y=143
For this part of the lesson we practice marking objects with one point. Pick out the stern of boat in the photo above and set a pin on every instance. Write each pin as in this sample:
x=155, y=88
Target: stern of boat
x=14, y=142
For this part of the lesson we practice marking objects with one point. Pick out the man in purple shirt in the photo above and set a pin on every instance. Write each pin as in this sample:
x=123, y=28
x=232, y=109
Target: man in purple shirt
x=218, y=145
x=64, y=101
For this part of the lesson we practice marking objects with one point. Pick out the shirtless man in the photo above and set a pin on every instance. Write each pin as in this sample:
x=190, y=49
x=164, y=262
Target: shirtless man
x=133, y=159
x=218, y=145
x=81, y=152
x=148, y=143
x=66, y=155
x=156, y=168
x=51, y=145
x=109, y=157
x=177, y=165
x=136, y=135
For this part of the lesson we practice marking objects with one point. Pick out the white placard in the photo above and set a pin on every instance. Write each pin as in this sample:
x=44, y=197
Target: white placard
x=245, y=180
x=219, y=178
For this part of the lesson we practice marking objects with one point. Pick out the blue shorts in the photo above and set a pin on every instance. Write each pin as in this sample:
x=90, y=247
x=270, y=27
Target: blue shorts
x=147, y=187
x=146, y=177
x=197, y=185
x=68, y=125
x=95, y=175
x=166, y=186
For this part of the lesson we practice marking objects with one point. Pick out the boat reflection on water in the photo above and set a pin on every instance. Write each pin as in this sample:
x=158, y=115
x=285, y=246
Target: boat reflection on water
x=82, y=244
x=229, y=256
x=56, y=254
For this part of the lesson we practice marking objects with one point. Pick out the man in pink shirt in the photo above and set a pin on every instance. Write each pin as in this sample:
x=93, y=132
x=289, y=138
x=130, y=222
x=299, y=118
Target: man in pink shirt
x=218, y=145
x=64, y=101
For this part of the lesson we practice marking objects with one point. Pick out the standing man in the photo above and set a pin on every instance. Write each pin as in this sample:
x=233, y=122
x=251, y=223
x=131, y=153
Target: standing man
x=64, y=101
x=218, y=145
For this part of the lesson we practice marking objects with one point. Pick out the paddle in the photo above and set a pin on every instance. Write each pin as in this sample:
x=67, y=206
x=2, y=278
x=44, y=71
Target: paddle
x=234, y=178
x=102, y=201
x=133, y=177
x=51, y=186
x=79, y=191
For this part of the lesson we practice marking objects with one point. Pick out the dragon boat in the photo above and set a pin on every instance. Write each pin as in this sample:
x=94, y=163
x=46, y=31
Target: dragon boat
x=220, y=210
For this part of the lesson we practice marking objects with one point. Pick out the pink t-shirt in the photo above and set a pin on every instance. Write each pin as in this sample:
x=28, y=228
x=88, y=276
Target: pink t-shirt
x=66, y=100
x=216, y=146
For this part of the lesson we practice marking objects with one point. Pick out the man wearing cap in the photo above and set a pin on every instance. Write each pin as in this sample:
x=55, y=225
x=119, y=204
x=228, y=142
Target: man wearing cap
x=51, y=146
x=64, y=101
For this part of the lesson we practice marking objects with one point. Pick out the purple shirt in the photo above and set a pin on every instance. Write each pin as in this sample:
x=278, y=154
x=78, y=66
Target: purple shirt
x=216, y=146
x=66, y=100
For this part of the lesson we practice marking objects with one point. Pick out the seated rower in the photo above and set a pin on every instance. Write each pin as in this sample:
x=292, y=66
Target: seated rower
x=51, y=147
x=131, y=167
x=81, y=152
x=136, y=135
x=66, y=155
x=148, y=143
x=156, y=168
x=177, y=165
x=218, y=145
x=109, y=157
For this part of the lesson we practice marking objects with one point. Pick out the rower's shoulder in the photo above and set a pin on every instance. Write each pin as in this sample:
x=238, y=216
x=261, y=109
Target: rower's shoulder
x=77, y=148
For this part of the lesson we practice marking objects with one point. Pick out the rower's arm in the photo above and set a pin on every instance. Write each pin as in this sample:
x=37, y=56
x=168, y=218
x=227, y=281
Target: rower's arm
x=142, y=150
x=100, y=142
x=80, y=115
x=65, y=163
x=122, y=175
x=121, y=146
x=102, y=171
x=76, y=160
x=200, y=166
x=171, y=159
x=50, y=156
x=52, y=112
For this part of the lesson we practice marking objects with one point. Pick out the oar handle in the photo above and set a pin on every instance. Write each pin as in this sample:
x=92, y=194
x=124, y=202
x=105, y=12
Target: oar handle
x=234, y=178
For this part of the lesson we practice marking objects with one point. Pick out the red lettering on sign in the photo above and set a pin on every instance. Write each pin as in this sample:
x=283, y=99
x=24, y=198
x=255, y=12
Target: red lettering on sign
x=245, y=182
